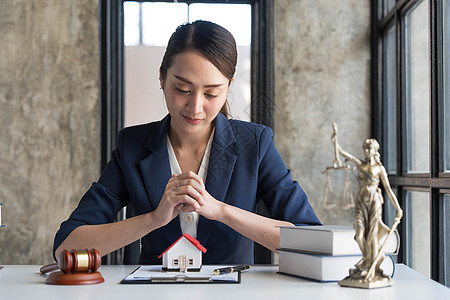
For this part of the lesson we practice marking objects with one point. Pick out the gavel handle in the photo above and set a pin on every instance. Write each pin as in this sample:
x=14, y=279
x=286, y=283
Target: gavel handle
x=49, y=268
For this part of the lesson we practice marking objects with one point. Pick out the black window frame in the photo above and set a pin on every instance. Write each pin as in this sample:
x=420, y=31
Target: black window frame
x=436, y=183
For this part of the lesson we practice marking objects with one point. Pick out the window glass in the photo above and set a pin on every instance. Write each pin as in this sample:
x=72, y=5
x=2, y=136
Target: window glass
x=159, y=21
x=419, y=231
x=390, y=101
x=239, y=25
x=131, y=23
x=389, y=210
x=446, y=72
x=152, y=24
x=417, y=89
x=446, y=233
x=388, y=5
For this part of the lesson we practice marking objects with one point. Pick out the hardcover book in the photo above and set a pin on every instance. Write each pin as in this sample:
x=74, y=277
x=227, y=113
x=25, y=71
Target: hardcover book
x=328, y=239
x=324, y=268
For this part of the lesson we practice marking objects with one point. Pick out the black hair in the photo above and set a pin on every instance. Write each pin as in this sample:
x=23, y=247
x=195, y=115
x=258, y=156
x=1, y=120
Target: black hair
x=212, y=41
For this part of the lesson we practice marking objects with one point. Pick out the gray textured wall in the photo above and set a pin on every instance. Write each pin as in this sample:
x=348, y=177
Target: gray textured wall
x=322, y=64
x=49, y=120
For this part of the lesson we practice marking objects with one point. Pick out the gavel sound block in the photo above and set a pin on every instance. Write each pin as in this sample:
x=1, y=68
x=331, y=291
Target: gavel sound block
x=77, y=267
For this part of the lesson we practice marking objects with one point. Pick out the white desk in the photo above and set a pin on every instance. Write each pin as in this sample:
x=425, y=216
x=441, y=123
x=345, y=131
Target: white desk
x=260, y=282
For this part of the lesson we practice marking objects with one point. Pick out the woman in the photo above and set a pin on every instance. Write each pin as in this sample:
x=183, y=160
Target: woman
x=193, y=172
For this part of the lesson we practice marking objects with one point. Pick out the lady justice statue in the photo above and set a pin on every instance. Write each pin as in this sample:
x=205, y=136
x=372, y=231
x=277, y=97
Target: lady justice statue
x=369, y=227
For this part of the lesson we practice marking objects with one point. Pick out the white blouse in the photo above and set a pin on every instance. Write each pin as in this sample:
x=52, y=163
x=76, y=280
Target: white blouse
x=189, y=221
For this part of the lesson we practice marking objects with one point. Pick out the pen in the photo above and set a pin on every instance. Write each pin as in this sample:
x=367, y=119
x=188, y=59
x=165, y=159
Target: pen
x=231, y=269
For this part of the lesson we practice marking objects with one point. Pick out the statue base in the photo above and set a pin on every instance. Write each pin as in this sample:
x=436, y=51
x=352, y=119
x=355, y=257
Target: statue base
x=379, y=282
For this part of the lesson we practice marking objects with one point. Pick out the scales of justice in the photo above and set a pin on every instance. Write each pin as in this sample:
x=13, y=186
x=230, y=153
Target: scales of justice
x=329, y=201
x=371, y=233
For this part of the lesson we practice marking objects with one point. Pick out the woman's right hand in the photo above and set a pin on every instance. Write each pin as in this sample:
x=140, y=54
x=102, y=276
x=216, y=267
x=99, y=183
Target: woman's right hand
x=183, y=192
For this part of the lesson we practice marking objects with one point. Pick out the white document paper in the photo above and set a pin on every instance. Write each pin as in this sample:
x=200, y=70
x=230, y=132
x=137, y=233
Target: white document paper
x=155, y=273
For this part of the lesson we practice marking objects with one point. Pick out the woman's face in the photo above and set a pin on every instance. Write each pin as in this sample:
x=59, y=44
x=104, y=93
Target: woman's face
x=195, y=91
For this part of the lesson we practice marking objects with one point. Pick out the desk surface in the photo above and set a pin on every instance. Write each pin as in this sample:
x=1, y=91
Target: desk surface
x=260, y=282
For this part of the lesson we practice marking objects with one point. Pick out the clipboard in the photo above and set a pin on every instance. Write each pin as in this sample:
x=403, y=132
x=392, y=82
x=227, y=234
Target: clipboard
x=155, y=274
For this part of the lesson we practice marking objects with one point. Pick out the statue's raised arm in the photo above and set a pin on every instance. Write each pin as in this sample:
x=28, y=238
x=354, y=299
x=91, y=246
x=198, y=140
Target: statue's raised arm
x=339, y=151
x=334, y=139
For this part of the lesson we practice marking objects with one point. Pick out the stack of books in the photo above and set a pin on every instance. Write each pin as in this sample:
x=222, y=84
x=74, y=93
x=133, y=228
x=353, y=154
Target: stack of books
x=325, y=253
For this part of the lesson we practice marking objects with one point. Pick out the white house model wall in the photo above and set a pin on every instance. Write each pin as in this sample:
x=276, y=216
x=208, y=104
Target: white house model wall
x=185, y=254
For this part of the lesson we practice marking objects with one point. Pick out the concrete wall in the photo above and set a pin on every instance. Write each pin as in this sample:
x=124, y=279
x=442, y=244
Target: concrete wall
x=49, y=120
x=49, y=106
x=322, y=66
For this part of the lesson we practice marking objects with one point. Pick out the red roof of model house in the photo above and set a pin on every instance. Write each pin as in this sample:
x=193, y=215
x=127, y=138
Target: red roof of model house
x=190, y=239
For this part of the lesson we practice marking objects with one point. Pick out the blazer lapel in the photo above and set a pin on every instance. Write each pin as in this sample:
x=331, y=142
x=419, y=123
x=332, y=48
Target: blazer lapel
x=220, y=170
x=156, y=172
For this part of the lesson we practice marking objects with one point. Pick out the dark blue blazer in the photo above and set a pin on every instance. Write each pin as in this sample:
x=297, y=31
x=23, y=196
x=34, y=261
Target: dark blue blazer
x=244, y=167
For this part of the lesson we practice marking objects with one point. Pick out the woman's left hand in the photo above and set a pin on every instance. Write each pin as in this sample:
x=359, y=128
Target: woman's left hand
x=211, y=208
x=258, y=228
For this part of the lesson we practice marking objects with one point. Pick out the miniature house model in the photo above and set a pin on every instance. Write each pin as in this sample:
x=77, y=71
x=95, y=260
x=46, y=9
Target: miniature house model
x=183, y=255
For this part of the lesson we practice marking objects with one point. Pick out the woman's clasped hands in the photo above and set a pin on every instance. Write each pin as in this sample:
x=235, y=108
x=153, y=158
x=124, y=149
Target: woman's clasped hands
x=187, y=193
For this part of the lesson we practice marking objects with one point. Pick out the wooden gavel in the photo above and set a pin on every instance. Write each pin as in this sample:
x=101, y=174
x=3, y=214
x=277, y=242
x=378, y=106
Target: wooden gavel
x=75, y=261
x=77, y=267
